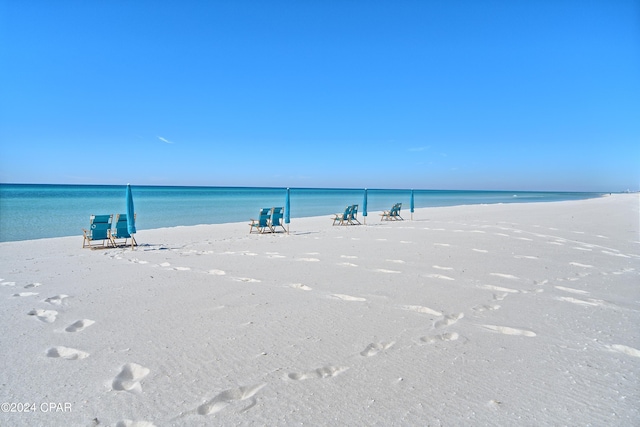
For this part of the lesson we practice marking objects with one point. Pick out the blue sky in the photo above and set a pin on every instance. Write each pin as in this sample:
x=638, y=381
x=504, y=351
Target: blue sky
x=505, y=95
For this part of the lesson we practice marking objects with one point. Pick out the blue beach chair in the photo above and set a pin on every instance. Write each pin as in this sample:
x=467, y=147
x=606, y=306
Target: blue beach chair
x=99, y=230
x=342, y=218
x=277, y=214
x=353, y=215
x=121, y=231
x=393, y=214
x=261, y=224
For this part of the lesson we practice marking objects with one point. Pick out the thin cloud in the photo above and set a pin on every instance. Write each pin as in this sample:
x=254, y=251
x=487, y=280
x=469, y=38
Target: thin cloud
x=419, y=148
x=165, y=140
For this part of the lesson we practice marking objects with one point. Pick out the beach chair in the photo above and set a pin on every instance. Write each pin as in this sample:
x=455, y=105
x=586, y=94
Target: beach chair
x=393, y=214
x=99, y=230
x=353, y=215
x=262, y=224
x=277, y=215
x=396, y=215
x=121, y=231
x=342, y=218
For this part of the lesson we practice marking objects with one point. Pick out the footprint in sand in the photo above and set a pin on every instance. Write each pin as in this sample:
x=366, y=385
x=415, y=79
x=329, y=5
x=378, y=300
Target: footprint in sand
x=509, y=331
x=504, y=276
x=421, y=309
x=629, y=351
x=324, y=372
x=32, y=285
x=2, y=283
x=486, y=307
x=482, y=251
x=375, y=348
x=246, y=280
x=383, y=270
x=439, y=276
x=217, y=272
x=56, y=300
x=347, y=264
x=300, y=286
x=309, y=259
x=129, y=377
x=182, y=268
x=165, y=264
x=227, y=397
x=25, y=294
x=275, y=255
x=572, y=290
x=47, y=316
x=130, y=423
x=447, y=336
x=577, y=264
x=79, y=325
x=589, y=302
x=448, y=320
x=66, y=353
x=347, y=297
x=500, y=297
x=498, y=289
x=617, y=254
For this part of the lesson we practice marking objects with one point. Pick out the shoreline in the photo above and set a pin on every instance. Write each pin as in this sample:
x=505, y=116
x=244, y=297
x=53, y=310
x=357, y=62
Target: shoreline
x=372, y=214
x=477, y=314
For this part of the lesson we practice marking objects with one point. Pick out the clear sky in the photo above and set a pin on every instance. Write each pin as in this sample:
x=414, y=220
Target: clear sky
x=505, y=95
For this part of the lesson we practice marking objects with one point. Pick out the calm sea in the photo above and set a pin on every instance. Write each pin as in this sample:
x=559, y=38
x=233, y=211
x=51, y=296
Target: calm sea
x=40, y=211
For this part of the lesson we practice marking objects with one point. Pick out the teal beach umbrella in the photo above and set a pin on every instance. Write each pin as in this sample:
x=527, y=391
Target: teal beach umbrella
x=364, y=206
x=412, y=204
x=287, y=209
x=131, y=219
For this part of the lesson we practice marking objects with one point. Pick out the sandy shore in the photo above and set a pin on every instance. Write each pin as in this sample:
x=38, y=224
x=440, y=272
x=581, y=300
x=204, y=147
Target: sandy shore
x=518, y=314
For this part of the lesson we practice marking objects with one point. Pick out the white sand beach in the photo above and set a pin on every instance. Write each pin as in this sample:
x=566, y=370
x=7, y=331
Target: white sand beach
x=514, y=314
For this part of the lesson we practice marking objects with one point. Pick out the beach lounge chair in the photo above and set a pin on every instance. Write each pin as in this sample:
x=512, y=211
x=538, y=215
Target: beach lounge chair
x=353, y=215
x=262, y=224
x=393, y=214
x=99, y=230
x=342, y=218
x=277, y=215
x=121, y=231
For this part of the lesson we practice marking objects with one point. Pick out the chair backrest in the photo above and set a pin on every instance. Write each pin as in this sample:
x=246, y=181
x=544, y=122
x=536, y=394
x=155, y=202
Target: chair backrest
x=121, y=228
x=100, y=226
x=347, y=213
x=354, y=211
x=265, y=214
x=276, y=216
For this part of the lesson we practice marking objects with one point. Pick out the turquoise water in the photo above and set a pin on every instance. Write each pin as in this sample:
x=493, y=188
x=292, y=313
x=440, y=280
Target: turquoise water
x=39, y=211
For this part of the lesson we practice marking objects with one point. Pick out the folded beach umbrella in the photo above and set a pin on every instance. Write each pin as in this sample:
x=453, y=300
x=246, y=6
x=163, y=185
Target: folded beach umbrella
x=411, y=205
x=287, y=209
x=131, y=218
x=364, y=206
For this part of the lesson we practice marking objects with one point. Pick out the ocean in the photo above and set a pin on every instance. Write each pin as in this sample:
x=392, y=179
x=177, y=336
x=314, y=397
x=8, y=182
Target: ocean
x=36, y=211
